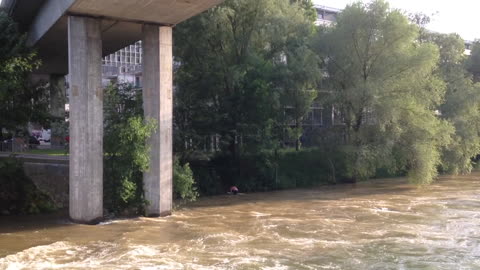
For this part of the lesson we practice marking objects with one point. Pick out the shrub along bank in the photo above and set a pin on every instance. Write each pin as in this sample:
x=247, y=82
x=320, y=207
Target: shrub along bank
x=283, y=169
x=126, y=153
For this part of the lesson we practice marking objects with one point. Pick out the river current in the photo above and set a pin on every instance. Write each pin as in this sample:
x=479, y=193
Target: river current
x=381, y=224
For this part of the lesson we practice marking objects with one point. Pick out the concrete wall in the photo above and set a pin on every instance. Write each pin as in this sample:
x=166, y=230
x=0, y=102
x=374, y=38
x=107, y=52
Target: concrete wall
x=51, y=177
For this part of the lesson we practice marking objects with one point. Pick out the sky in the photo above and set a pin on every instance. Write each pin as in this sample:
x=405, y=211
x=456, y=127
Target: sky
x=448, y=16
x=459, y=16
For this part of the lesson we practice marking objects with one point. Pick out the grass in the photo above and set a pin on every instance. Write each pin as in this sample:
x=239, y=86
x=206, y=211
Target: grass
x=48, y=152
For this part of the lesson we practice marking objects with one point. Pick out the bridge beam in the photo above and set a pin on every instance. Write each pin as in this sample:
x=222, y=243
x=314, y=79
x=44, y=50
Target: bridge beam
x=157, y=102
x=86, y=119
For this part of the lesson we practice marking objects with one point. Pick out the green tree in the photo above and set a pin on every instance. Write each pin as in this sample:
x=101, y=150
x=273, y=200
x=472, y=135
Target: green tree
x=473, y=62
x=298, y=84
x=384, y=91
x=183, y=182
x=228, y=81
x=308, y=7
x=461, y=105
x=126, y=153
x=19, y=101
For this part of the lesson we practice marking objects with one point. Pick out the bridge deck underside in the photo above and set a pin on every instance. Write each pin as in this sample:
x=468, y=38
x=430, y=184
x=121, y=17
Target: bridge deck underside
x=121, y=22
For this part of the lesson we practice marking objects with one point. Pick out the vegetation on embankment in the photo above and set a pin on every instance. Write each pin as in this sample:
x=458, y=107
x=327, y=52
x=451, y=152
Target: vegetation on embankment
x=18, y=194
x=126, y=132
x=393, y=97
x=284, y=169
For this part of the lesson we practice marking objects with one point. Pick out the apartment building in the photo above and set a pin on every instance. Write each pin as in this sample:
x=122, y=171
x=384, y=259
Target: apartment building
x=124, y=66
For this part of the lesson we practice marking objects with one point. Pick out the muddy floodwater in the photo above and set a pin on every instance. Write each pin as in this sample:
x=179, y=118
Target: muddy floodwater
x=382, y=224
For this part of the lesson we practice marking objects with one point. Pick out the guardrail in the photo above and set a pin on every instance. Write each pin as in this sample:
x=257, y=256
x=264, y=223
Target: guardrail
x=13, y=146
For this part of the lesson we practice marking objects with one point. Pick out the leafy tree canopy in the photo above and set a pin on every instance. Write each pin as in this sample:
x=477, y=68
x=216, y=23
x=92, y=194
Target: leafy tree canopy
x=237, y=60
x=473, y=63
x=19, y=102
x=385, y=90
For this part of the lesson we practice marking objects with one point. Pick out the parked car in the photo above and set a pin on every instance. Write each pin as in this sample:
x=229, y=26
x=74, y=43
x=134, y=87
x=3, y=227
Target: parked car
x=46, y=135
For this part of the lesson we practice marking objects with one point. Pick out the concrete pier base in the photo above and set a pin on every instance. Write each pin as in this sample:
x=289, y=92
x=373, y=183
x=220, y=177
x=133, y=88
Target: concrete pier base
x=157, y=100
x=86, y=119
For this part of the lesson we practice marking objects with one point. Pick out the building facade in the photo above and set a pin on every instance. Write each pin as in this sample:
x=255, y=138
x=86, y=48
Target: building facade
x=124, y=66
x=326, y=15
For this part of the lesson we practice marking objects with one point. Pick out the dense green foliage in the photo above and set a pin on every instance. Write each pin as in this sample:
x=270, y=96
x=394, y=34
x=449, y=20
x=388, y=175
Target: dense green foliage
x=403, y=102
x=237, y=62
x=18, y=194
x=460, y=106
x=183, y=182
x=389, y=92
x=401, y=99
x=20, y=102
x=272, y=170
x=126, y=153
x=473, y=62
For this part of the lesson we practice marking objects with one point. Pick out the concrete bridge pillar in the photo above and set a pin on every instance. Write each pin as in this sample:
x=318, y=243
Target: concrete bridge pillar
x=157, y=100
x=86, y=119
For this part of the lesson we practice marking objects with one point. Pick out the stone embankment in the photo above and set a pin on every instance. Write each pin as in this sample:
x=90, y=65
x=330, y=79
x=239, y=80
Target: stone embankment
x=49, y=174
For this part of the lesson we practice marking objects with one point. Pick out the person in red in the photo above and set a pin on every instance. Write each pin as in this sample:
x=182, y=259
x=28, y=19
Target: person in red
x=234, y=190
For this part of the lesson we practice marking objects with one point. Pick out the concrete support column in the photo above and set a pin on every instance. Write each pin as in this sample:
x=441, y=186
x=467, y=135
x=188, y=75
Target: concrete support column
x=86, y=119
x=157, y=104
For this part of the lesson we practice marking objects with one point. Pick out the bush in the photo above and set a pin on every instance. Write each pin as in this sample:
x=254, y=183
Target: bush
x=18, y=194
x=270, y=170
x=306, y=168
x=126, y=154
x=249, y=172
x=208, y=181
x=183, y=182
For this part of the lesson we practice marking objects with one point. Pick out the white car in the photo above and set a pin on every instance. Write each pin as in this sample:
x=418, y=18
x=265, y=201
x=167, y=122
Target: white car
x=46, y=135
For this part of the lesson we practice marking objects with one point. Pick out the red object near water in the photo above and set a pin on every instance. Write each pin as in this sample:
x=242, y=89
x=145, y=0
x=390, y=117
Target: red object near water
x=234, y=190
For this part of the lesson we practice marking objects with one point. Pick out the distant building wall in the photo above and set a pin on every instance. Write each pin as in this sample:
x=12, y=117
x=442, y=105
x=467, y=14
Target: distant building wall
x=326, y=15
x=124, y=66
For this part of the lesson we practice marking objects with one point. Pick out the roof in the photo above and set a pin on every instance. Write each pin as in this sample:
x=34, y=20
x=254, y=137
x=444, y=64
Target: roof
x=330, y=9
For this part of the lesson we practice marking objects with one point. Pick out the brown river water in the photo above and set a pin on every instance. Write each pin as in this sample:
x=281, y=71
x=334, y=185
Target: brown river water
x=381, y=224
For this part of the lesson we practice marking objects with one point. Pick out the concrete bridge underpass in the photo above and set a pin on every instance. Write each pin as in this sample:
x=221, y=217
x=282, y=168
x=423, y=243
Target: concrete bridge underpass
x=71, y=37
